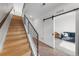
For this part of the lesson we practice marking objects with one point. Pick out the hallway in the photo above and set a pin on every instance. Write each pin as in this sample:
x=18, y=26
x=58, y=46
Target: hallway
x=16, y=42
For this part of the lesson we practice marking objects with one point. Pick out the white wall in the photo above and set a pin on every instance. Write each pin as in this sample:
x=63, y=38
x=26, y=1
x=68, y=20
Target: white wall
x=38, y=25
x=18, y=8
x=65, y=7
x=48, y=30
x=65, y=22
x=77, y=33
x=4, y=9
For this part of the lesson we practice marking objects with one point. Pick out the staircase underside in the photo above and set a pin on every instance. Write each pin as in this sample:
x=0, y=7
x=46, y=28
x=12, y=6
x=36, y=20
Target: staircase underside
x=16, y=42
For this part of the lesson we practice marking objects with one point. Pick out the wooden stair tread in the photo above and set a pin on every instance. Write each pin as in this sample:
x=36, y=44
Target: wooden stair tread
x=16, y=46
x=15, y=36
x=27, y=54
x=18, y=51
x=16, y=29
x=14, y=40
x=16, y=43
x=16, y=32
x=17, y=26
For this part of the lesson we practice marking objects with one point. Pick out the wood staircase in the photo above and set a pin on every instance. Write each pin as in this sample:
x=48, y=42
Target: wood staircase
x=16, y=43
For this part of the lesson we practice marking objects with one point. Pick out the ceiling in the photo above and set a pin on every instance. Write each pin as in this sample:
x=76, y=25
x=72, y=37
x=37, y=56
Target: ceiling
x=38, y=10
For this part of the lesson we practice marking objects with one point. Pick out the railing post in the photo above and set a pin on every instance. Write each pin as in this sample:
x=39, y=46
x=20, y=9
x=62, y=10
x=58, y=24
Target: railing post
x=37, y=45
x=28, y=27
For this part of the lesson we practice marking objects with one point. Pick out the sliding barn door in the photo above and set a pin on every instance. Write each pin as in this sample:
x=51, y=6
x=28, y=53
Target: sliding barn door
x=65, y=33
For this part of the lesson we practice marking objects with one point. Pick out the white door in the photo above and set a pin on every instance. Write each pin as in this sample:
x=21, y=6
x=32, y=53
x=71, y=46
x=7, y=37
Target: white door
x=65, y=23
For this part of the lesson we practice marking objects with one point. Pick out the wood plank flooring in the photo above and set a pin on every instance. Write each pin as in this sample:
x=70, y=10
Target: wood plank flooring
x=45, y=50
x=16, y=43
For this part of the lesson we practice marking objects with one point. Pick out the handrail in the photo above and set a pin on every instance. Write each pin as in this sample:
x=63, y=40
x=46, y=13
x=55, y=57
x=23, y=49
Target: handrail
x=31, y=25
x=35, y=32
x=2, y=22
x=23, y=7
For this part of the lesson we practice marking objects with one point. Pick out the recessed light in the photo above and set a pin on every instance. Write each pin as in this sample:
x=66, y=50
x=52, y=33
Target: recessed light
x=43, y=3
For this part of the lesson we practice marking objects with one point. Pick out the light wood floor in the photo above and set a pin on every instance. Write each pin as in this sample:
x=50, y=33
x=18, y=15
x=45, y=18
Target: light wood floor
x=45, y=50
x=16, y=43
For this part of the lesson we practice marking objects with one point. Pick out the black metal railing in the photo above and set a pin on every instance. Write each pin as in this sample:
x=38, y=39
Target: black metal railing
x=32, y=31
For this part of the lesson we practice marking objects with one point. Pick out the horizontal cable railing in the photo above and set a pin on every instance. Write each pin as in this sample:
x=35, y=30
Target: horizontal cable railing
x=31, y=30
